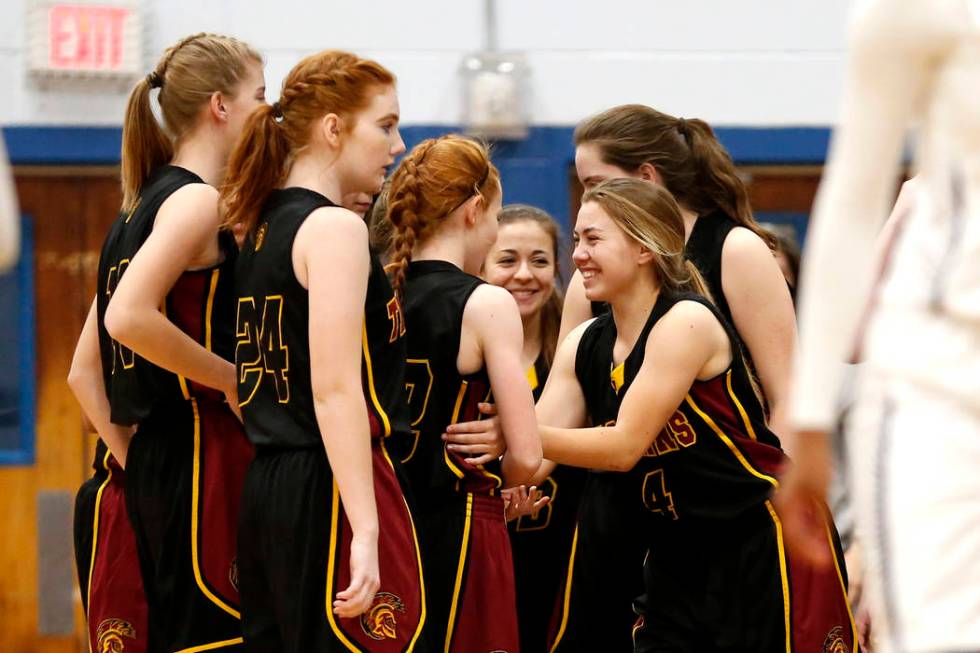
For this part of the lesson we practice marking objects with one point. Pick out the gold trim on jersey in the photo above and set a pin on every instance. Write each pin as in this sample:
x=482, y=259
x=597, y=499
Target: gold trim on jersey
x=418, y=556
x=532, y=377
x=843, y=586
x=784, y=577
x=95, y=535
x=445, y=451
x=195, y=519
x=617, y=376
x=331, y=566
x=460, y=568
x=728, y=442
x=566, y=600
x=370, y=381
x=212, y=645
x=738, y=404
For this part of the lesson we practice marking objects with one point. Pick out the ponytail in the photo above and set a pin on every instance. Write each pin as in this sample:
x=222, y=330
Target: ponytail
x=717, y=178
x=256, y=167
x=145, y=146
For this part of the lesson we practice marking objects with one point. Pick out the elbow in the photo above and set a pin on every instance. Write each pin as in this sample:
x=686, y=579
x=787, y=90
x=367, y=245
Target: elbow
x=521, y=466
x=623, y=461
x=119, y=323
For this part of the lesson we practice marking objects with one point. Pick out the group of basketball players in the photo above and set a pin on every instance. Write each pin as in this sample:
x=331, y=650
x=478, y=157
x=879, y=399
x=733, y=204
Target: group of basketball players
x=292, y=455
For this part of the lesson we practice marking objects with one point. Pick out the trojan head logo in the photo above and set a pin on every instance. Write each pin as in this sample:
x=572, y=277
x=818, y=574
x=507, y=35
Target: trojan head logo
x=380, y=621
x=110, y=634
x=260, y=235
x=233, y=573
x=834, y=643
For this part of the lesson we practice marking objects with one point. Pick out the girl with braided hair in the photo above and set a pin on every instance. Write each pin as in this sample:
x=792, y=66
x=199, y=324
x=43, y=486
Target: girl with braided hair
x=465, y=340
x=321, y=371
x=152, y=369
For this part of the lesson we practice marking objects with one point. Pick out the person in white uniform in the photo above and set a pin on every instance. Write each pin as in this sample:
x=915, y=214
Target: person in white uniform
x=9, y=215
x=914, y=435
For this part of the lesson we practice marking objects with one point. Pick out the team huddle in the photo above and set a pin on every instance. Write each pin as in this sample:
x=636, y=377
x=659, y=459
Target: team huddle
x=339, y=413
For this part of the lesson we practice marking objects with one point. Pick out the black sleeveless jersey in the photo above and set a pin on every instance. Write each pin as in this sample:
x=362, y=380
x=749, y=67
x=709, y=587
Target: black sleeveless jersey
x=435, y=295
x=714, y=459
x=200, y=304
x=272, y=355
x=703, y=249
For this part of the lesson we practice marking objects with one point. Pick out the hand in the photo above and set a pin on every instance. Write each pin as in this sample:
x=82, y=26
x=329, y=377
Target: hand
x=854, y=561
x=520, y=501
x=802, y=496
x=482, y=441
x=364, y=578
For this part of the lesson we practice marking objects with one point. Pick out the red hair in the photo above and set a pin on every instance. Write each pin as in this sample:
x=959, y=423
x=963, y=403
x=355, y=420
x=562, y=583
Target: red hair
x=327, y=82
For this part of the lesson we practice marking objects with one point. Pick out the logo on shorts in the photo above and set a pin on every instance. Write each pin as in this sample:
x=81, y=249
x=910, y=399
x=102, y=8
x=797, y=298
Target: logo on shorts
x=380, y=621
x=110, y=634
x=834, y=643
x=233, y=573
x=260, y=235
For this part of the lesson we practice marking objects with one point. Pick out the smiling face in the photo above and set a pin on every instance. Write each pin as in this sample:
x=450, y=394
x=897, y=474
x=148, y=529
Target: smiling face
x=523, y=261
x=607, y=258
x=373, y=142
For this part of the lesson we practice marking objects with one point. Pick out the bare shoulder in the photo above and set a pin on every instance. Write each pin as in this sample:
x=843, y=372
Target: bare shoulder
x=685, y=320
x=191, y=204
x=336, y=217
x=489, y=302
x=745, y=246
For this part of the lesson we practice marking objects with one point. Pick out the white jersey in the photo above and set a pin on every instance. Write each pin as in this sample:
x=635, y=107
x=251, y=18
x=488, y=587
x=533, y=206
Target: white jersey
x=913, y=63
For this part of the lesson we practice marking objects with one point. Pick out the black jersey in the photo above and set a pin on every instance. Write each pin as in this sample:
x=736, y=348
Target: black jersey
x=200, y=304
x=703, y=249
x=272, y=355
x=713, y=459
x=435, y=294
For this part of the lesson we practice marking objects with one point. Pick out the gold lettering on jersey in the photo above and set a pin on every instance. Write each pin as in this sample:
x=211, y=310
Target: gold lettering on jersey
x=110, y=633
x=834, y=642
x=676, y=434
x=380, y=621
x=397, y=319
x=260, y=235
x=260, y=350
x=656, y=497
x=125, y=355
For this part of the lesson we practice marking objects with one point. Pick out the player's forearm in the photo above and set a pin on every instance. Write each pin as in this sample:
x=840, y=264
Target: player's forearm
x=600, y=447
x=155, y=338
x=343, y=421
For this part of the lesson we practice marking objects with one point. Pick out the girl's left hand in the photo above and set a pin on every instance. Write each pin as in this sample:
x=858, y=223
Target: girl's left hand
x=520, y=501
x=480, y=441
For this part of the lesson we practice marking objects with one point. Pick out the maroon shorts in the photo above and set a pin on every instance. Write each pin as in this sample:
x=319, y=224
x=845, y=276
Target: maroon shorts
x=109, y=569
x=295, y=556
x=470, y=576
x=185, y=472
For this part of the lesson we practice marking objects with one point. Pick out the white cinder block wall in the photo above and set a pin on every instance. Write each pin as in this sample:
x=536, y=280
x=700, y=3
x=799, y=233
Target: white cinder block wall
x=762, y=63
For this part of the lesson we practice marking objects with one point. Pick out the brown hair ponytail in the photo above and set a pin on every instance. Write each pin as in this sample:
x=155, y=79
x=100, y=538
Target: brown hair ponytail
x=691, y=162
x=187, y=74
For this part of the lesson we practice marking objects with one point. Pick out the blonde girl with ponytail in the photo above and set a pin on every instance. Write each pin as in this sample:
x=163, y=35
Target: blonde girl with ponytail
x=675, y=512
x=152, y=369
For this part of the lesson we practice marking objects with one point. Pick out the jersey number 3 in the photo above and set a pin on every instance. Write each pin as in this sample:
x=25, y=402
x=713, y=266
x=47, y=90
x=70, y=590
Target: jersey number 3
x=260, y=351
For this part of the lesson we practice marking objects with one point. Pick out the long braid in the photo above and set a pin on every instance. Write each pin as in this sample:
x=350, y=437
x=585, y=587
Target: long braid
x=403, y=213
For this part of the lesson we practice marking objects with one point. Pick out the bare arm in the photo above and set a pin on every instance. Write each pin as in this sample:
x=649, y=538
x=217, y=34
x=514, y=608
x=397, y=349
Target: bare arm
x=88, y=385
x=896, y=47
x=330, y=257
x=562, y=403
x=185, y=229
x=577, y=307
x=9, y=215
x=762, y=310
x=491, y=314
x=686, y=344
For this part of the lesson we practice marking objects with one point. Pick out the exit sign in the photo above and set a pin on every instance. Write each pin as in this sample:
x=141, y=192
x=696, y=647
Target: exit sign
x=85, y=40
